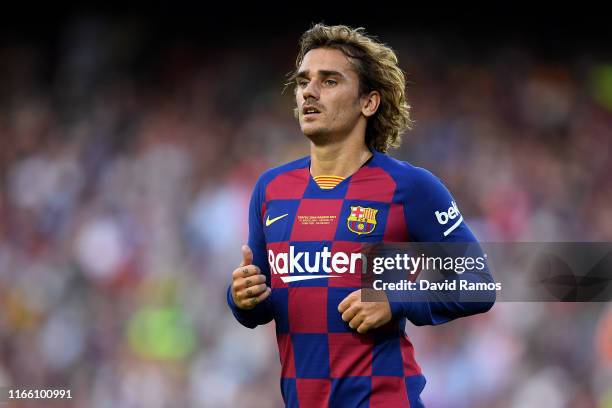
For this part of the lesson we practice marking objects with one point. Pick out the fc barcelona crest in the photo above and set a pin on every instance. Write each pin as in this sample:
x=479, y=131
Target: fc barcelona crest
x=362, y=220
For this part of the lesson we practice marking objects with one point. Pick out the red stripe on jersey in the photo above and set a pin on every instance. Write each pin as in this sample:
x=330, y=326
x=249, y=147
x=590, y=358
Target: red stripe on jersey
x=263, y=211
x=289, y=185
x=396, y=230
x=347, y=279
x=308, y=310
x=313, y=393
x=277, y=248
x=388, y=392
x=371, y=183
x=411, y=367
x=285, y=350
x=316, y=220
x=350, y=355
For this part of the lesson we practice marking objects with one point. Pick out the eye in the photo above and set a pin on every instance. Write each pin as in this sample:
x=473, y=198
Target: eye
x=302, y=83
x=330, y=82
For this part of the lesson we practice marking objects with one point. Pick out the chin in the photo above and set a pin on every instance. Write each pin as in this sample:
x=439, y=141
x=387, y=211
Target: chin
x=318, y=136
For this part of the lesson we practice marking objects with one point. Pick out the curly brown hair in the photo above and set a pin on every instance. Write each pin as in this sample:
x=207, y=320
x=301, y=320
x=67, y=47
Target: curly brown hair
x=377, y=67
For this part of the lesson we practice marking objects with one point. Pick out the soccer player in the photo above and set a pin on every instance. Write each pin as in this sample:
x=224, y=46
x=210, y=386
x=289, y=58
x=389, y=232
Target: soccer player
x=308, y=218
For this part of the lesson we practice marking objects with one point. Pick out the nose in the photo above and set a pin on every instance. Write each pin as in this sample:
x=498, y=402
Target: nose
x=311, y=91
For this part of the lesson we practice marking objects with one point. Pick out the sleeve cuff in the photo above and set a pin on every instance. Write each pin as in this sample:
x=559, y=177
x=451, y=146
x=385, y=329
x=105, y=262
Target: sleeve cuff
x=400, y=303
x=247, y=318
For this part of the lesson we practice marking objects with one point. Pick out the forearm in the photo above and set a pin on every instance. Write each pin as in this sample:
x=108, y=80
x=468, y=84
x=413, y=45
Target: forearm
x=433, y=307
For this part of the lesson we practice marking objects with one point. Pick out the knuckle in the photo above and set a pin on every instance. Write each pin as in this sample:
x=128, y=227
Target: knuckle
x=265, y=295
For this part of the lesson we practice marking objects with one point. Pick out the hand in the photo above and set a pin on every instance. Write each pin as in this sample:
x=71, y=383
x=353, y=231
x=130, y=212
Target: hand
x=364, y=316
x=248, y=283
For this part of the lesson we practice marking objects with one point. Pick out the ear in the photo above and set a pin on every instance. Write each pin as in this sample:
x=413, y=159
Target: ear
x=370, y=103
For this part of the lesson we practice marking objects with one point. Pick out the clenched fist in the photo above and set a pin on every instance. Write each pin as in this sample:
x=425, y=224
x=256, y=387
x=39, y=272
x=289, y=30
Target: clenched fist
x=248, y=283
x=364, y=316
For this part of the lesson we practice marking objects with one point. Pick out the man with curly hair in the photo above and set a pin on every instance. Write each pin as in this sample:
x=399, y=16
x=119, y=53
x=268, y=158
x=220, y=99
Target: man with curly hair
x=309, y=218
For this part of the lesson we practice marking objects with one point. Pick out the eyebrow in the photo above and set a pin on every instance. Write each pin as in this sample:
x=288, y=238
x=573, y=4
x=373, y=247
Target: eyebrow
x=322, y=72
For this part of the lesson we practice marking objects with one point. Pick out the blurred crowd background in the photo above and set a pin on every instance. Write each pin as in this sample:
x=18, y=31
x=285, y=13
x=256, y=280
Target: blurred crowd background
x=126, y=167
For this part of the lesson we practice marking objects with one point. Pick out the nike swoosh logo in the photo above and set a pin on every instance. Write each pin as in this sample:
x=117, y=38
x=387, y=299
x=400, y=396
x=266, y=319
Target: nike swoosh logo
x=273, y=220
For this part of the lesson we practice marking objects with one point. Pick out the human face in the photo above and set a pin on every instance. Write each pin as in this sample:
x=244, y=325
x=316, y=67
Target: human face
x=327, y=96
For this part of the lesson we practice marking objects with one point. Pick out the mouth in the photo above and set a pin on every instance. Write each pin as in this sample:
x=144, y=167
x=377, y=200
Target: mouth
x=310, y=111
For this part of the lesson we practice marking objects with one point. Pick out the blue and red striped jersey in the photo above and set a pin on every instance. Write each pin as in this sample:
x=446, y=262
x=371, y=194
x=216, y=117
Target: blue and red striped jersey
x=296, y=228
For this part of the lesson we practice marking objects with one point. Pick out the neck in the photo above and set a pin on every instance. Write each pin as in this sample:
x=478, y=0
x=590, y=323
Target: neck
x=342, y=158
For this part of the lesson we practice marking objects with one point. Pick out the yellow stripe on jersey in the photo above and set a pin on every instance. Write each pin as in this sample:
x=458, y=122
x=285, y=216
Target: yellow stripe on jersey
x=328, y=182
x=369, y=214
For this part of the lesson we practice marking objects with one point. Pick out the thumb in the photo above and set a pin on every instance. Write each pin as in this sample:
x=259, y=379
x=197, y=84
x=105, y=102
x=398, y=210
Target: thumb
x=247, y=256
